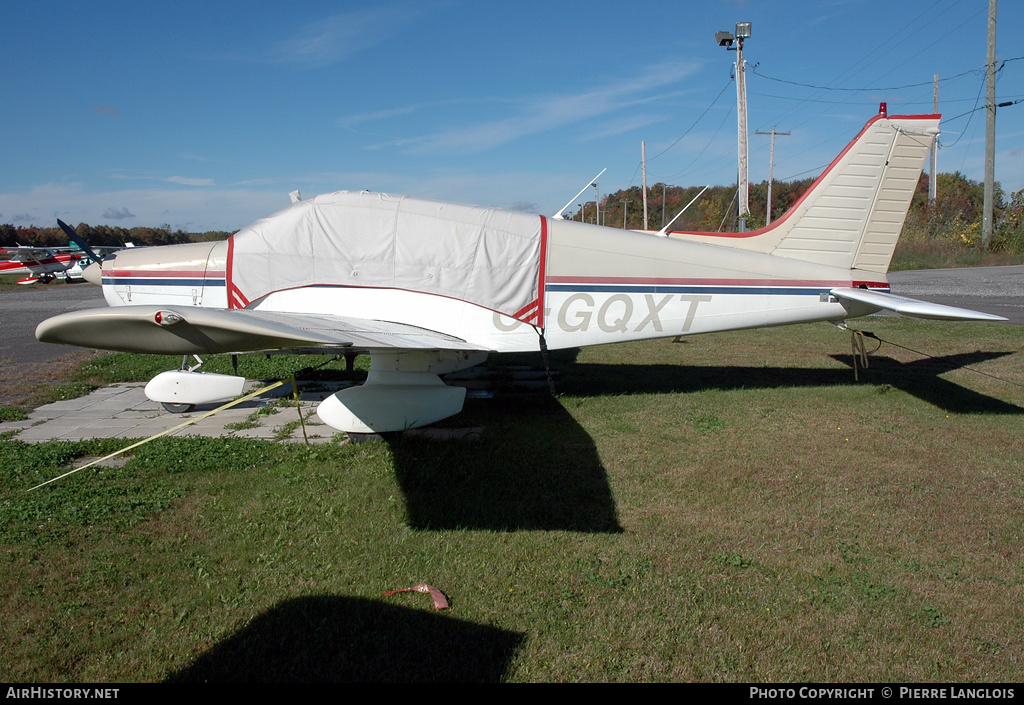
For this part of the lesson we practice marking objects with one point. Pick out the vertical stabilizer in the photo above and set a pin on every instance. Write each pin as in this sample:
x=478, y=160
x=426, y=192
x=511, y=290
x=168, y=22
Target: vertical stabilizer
x=851, y=217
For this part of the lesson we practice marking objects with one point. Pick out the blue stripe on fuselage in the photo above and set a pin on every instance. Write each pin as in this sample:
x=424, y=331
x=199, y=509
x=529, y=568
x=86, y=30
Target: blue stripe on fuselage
x=145, y=281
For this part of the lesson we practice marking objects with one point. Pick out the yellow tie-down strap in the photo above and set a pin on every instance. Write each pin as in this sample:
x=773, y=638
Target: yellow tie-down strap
x=250, y=395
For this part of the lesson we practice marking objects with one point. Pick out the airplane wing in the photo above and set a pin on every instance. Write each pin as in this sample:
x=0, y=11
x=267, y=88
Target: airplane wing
x=186, y=330
x=910, y=307
x=26, y=253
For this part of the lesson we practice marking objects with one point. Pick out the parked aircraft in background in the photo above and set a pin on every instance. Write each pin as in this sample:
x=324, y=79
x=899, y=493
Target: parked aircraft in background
x=428, y=287
x=44, y=264
x=40, y=263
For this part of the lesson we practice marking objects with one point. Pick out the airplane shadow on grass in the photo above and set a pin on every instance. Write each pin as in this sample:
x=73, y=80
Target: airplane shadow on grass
x=536, y=468
x=919, y=378
x=325, y=638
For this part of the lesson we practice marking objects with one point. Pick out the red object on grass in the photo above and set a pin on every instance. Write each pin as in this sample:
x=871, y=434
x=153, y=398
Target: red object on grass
x=440, y=602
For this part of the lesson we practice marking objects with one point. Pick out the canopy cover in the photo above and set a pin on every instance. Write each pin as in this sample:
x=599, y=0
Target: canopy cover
x=486, y=256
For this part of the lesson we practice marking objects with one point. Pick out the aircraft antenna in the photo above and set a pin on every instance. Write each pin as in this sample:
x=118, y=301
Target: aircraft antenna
x=558, y=215
x=663, y=231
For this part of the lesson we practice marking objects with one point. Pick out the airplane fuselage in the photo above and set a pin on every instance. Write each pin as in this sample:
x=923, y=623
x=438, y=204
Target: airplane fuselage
x=600, y=285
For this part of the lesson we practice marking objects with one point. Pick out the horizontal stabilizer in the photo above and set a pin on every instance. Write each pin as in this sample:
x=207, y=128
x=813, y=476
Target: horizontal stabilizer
x=910, y=307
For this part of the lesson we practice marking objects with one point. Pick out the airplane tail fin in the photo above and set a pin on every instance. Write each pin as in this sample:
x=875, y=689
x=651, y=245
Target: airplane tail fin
x=852, y=215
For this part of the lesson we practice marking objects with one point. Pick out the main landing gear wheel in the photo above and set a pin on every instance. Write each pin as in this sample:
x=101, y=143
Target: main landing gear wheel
x=177, y=408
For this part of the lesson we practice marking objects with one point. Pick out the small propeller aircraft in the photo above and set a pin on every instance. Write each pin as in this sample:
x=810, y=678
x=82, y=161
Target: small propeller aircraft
x=44, y=264
x=428, y=287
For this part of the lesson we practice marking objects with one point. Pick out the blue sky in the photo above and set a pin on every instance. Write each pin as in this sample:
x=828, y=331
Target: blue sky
x=205, y=115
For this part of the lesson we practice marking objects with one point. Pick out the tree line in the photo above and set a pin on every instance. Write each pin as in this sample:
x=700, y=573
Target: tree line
x=714, y=211
x=955, y=215
x=956, y=212
x=103, y=236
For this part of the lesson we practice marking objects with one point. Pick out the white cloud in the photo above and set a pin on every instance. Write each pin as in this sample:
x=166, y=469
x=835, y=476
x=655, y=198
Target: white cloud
x=546, y=112
x=351, y=121
x=207, y=209
x=231, y=208
x=194, y=157
x=188, y=181
x=331, y=39
x=118, y=214
x=151, y=176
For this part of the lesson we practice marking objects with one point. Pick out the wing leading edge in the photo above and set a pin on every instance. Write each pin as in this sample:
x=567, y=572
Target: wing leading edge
x=190, y=330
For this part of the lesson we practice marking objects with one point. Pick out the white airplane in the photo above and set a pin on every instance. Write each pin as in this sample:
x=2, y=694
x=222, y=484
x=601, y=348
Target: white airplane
x=428, y=287
x=44, y=264
x=40, y=263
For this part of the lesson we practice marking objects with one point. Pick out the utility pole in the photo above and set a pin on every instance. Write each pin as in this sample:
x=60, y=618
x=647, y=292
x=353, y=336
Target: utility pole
x=643, y=160
x=741, y=105
x=933, y=175
x=771, y=164
x=597, y=204
x=625, y=207
x=664, y=196
x=726, y=39
x=990, y=128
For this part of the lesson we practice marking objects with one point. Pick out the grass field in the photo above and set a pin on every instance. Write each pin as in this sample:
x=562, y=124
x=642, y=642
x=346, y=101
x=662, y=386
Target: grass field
x=730, y=508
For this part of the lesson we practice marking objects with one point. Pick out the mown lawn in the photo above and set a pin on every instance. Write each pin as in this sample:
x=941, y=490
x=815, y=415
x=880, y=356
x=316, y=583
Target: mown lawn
x=729, y=508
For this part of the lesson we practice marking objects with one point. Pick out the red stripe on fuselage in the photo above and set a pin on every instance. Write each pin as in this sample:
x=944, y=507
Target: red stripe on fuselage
x=675, y=281
x=543, y=270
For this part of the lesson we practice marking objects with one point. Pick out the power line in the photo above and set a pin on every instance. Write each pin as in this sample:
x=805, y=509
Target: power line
x=699, y=155
x=865, y=102
x=970, y=113
x=688, y=130
x=861, y=90
x=850, y=92
x=694, y=122
x=877, y=53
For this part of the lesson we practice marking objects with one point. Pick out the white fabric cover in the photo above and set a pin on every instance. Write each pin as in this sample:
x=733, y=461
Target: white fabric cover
x=486, y=256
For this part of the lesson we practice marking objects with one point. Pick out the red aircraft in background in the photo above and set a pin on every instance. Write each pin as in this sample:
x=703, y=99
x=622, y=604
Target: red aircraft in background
x=44, y=264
